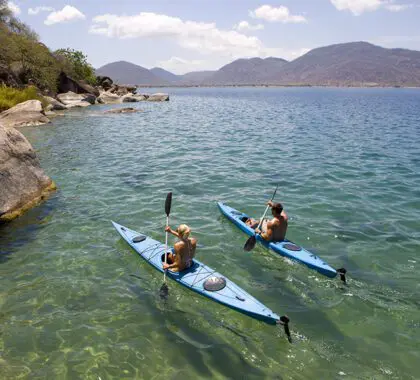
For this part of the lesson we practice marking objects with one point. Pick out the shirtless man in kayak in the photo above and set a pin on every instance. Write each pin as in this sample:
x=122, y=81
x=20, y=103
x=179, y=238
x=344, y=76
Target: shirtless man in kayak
x=275, y=229
x=184, y=249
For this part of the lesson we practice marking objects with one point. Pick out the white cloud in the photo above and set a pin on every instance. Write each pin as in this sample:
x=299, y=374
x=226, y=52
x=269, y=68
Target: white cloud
x=213, y=47
x=203, y=37
x=35, y=11
x=398, y=7
x=280, y=14
x=67, y=14
x=357, y=7
x=13, y=7
x=245, y=25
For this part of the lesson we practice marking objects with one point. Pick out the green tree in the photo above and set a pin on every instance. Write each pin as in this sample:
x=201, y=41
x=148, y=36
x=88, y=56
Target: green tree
x=75, y=64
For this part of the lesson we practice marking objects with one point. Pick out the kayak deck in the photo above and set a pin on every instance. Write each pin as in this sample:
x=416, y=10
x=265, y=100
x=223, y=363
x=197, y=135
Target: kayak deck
x=194, y=277
x=284, y=248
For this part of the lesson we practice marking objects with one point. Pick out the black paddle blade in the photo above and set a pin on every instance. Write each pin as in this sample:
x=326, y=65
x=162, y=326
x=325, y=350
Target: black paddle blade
x=342, y=272
x=168, y=203
x=284, y=321
x=164, y=291
x=250, y=243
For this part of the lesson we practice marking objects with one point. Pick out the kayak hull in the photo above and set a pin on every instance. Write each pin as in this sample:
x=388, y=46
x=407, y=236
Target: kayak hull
x=284, y=248
x=194, y=277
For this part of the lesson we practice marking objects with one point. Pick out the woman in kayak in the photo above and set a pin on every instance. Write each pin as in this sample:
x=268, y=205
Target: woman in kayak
x=184, y=249
x=275, y=229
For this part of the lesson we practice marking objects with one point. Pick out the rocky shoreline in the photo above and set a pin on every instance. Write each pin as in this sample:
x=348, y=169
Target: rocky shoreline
x=23, y=182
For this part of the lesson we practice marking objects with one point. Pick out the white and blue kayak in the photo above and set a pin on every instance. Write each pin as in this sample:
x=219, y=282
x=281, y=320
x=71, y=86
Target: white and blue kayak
x=284, y=248
x=200, y=278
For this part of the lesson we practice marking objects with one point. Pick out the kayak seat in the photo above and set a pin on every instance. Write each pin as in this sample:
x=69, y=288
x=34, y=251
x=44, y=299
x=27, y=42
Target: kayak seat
x=191, y=268
x=244, y=219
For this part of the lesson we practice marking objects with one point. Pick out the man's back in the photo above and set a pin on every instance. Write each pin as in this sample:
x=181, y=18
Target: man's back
x=275, y=229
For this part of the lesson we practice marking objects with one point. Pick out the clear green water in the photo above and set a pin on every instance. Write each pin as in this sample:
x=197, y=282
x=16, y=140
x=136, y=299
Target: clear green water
x=348, y=165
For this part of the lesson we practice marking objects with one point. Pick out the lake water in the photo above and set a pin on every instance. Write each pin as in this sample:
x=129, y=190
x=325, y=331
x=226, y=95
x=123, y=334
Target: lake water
x=77, y=303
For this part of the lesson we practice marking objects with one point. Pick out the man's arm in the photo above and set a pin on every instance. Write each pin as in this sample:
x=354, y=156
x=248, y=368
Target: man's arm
x=266, y=235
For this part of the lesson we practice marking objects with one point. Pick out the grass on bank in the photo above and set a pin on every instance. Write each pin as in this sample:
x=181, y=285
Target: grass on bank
x=9, y=97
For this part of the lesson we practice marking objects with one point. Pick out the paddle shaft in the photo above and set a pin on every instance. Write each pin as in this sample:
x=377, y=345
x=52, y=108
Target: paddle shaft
x=168, y=204
x=266, y=209
x=166, y=248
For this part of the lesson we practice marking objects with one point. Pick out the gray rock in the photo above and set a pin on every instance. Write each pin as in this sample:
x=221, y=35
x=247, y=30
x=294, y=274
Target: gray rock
x=70, y=98
x=124, y=110
x=55, y=104
x=24, y=114
x=23, y=183
x=108, y=98
x=66, y=84
x=89, y=98
x=158, y=97
x=81, y=104
x=105, y=82
x=133, y=98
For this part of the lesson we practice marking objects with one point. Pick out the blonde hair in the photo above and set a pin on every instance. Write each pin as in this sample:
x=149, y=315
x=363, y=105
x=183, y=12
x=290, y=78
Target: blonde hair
x=183, y=231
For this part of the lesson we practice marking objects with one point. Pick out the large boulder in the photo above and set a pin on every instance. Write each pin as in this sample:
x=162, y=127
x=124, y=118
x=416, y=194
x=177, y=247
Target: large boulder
x=104, y=82
x=71, y=99
x=66, y=84
x=90, y=98
x=122, y=90
x=158, y=97
x=132, y=98
x=54, y=104
x=23, y=183
x=108, y=98
x=24, y=114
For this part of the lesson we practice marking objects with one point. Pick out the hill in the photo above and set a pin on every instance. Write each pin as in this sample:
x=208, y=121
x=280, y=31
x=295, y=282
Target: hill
x=348, y=64
x=123, y=72
x=354, y=64
x=195, y=78
x=246, y=71
x=165, y=75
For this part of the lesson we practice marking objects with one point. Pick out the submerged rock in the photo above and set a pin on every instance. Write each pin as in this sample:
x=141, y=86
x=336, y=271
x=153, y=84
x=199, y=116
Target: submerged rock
x=23, y=183
x=124, y=110
x=159, y=97
x=24, y=114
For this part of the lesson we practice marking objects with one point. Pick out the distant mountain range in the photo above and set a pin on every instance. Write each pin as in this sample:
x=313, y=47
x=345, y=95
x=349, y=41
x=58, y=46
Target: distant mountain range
x=349, y=64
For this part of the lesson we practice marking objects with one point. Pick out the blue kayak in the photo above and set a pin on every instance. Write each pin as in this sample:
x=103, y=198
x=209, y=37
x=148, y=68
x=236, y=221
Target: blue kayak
x=284, y=248
x=199, y=278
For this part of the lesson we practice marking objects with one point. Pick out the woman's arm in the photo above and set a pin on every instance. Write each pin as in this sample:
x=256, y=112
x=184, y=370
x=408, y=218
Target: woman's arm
x=171, y=231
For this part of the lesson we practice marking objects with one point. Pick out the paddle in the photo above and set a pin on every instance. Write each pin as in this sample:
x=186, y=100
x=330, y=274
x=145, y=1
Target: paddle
x=250, y=243
x=164, y=290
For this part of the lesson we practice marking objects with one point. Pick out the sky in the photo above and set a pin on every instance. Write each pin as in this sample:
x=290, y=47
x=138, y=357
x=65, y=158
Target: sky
x=192, y=35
